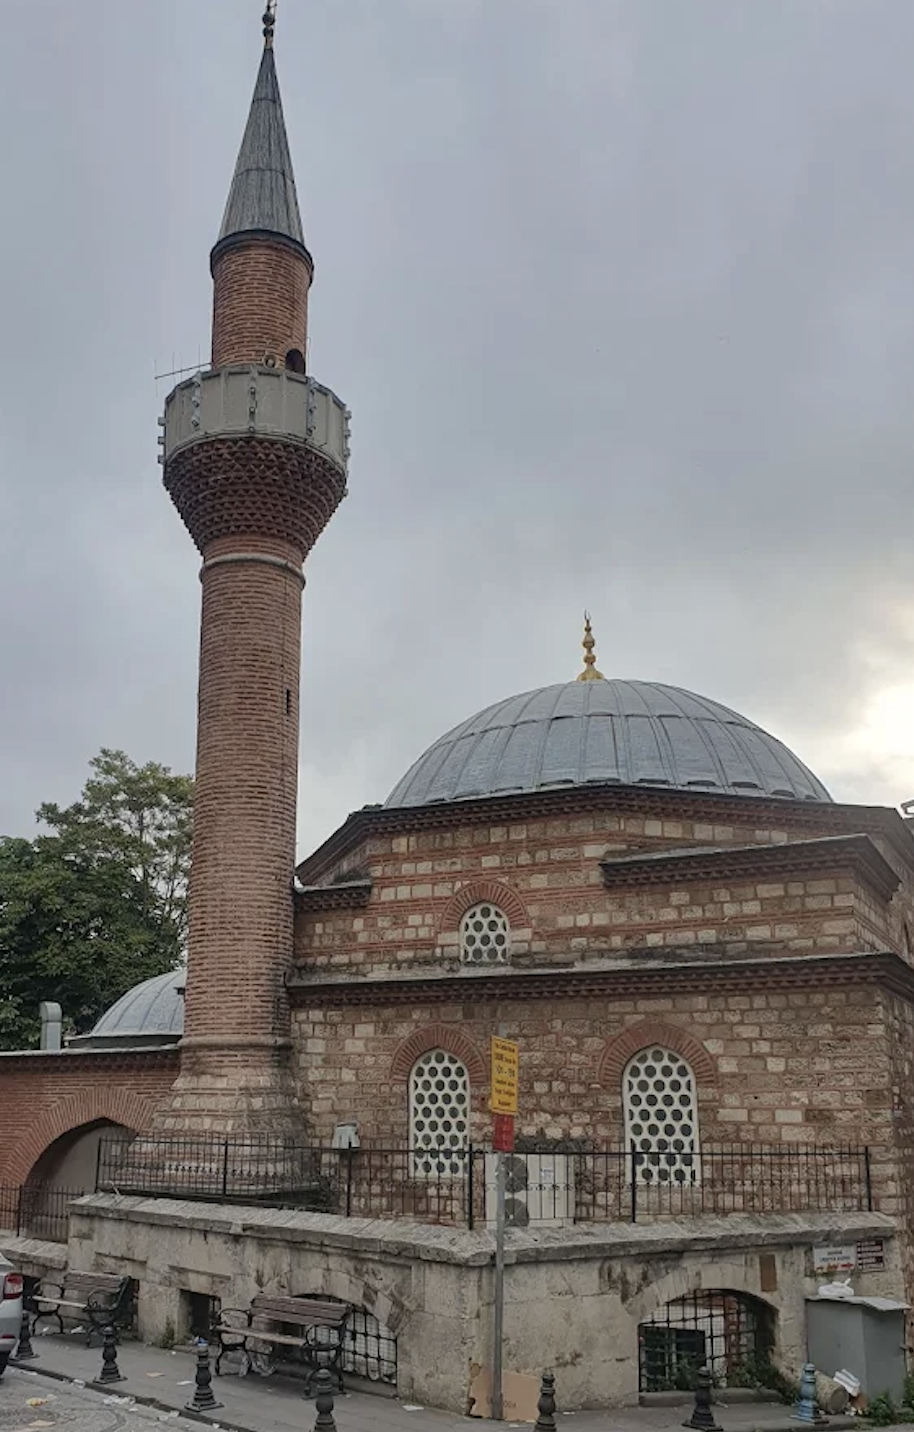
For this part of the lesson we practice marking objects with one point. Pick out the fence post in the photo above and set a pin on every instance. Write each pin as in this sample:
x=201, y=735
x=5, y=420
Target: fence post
x=349, y=1157
x=19, y=1209
x=634, y=1183
x=470, y=1162
x=868, y=1174
x=225, y=1154
x=98, y=1164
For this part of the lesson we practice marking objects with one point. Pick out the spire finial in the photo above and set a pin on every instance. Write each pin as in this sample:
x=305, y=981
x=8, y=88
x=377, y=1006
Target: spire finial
x=269, y=24
x=590, y=672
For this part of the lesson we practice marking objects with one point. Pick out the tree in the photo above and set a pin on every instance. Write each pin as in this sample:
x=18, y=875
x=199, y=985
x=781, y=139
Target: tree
x=100, y=901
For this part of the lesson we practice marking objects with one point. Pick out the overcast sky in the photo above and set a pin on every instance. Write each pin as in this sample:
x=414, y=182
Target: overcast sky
x=621, y=296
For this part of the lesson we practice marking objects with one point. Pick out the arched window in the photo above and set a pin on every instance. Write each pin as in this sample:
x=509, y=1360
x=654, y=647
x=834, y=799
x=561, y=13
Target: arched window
x=484, y=935
x=439, y=1115
x=661, y=1118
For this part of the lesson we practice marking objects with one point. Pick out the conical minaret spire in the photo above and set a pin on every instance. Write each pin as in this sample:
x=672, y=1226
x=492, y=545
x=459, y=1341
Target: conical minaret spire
x=263, y=199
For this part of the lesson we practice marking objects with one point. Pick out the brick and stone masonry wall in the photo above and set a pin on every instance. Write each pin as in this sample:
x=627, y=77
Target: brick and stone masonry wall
x=798, y=1066
x=47, y=1095
x=549, y=869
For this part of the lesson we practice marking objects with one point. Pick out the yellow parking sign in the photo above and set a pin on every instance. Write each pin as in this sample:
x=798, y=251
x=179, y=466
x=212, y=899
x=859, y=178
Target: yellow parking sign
x=505, y=1064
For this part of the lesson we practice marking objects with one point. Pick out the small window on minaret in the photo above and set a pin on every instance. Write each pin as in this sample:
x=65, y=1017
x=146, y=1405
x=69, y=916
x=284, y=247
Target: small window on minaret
x=295, y=360
x=288, y=702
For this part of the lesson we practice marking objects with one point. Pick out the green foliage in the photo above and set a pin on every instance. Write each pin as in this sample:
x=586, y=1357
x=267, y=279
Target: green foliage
x=98, y=902
x=760, y=1372
x=907, y=1399
x=882, y=1411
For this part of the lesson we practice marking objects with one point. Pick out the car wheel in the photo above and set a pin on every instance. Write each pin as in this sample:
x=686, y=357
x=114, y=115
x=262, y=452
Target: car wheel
x=4, y=1359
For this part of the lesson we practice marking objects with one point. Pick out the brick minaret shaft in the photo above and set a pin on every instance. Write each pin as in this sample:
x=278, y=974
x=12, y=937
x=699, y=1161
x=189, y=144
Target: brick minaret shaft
x=255, y=461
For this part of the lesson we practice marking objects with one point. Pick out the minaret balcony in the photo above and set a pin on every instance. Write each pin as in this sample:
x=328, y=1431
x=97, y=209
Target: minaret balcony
x=256, y=401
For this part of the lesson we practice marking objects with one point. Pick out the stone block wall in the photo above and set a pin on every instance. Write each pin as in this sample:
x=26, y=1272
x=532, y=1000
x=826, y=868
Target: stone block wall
x=574, y=1298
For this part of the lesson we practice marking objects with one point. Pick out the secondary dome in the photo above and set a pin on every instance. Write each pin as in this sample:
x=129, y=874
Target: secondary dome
x=593, y=731
x=152, y=1013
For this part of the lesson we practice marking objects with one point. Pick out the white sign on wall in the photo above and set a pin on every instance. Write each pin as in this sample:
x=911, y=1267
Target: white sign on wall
x=835, y=1258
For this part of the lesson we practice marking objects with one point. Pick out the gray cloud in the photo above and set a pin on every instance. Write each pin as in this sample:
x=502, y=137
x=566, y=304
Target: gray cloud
x=621, y=297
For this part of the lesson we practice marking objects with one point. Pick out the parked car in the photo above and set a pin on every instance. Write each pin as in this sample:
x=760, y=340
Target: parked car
x=10, y=1310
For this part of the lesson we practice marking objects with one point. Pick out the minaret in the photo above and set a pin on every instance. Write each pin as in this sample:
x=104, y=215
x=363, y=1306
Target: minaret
x=255, y=457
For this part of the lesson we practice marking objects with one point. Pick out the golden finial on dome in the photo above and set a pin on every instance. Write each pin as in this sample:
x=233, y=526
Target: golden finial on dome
x=590, y=672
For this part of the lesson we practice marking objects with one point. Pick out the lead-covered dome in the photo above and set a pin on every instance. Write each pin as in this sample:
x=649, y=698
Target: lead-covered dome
x=582, y=733
x=149, y=1014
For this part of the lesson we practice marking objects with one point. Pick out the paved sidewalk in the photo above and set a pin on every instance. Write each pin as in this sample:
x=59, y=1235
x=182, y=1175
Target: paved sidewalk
x=165, y=1382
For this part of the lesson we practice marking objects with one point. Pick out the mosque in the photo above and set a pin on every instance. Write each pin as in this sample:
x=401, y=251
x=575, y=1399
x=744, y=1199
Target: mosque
x=704, y=960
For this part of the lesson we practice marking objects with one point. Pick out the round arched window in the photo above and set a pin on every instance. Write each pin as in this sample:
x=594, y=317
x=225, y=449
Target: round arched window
x=439, y=1115
x=661, y=1118
x=484, y=935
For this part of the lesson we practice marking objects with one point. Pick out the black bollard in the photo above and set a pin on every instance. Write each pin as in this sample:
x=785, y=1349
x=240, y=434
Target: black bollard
x=545, y=1422
x=203, y=1399
x=25, y=1350
x=323, y=1401
x=702, y=1417
x=110, y=1371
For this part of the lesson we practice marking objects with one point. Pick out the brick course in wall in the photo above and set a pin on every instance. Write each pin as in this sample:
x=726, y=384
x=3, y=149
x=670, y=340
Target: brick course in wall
x=260, y=302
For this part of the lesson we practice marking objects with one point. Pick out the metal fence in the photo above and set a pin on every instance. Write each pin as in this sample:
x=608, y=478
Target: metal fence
x=37, y=1210
x=548, y=1186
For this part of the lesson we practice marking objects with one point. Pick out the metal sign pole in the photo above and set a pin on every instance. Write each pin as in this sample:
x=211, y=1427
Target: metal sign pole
x=498, y=1407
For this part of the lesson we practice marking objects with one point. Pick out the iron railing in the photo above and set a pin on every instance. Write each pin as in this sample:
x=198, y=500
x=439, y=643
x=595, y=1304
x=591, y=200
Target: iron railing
x=457, y=1186
x=37, y=1210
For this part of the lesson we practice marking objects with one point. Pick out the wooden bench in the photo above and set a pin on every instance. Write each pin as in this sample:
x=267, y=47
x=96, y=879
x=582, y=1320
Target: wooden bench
x=318, y=1336
x=98, y=1298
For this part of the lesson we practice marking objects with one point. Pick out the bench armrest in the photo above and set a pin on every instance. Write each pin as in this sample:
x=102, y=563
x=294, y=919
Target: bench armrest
x=101, y=1303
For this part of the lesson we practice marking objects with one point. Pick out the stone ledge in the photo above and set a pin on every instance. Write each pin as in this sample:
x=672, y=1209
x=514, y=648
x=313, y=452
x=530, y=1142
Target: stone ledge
x=399, y=1238
x=703, y=1233
x=34, y=1256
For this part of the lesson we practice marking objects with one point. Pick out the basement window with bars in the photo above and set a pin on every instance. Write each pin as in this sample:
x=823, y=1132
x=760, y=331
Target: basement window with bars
x=661, y=1119
x=439, y=1115
x=484, y=935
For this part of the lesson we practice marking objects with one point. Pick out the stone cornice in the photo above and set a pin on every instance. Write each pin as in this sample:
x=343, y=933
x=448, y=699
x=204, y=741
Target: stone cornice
x=822, y=856
x=619, y=982
x=816, y=817
x=348, y=895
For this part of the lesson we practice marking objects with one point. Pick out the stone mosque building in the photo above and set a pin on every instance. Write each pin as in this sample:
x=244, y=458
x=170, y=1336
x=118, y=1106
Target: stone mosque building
x=705, y=961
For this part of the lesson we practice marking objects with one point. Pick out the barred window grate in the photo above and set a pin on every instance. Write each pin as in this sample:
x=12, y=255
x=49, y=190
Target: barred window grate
x=661, y=1118
x=439, y=1114
x=484, y=936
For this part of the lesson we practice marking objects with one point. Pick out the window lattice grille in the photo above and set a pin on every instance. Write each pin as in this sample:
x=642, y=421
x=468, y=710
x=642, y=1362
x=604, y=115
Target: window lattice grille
x=484, y=934
x=661, y=1118
x=439, y=1112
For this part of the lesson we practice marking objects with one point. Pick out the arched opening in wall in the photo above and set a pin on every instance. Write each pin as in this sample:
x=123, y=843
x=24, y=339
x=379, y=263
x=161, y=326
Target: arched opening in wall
x=66, y=1170
x=295, y=360
x=369, y=1347
x=730, y=1333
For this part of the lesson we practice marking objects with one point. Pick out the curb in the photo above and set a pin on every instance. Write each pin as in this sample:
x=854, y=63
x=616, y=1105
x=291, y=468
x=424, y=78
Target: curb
x=105, y=1390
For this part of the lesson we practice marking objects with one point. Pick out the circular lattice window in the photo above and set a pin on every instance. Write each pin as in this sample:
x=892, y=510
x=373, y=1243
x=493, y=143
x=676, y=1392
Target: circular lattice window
x=661, y=1117
x=439, y=1115
x=484, y=935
